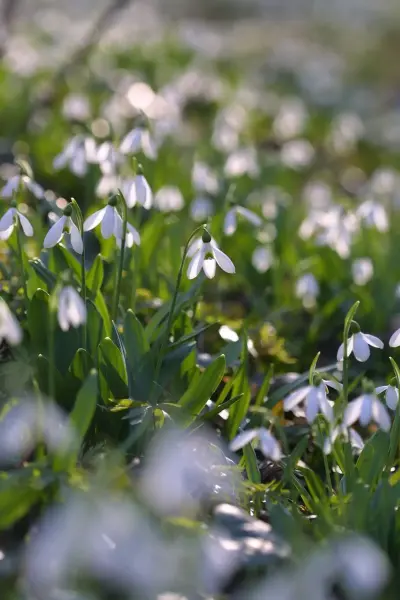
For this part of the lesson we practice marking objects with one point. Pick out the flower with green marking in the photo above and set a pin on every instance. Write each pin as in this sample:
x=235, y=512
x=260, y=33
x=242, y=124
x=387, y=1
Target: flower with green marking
x=269, y=445
x=8, y=222
x=71, y=309
x=10, y=329
x=112, y=224
x=206, y=255
x=56, y=232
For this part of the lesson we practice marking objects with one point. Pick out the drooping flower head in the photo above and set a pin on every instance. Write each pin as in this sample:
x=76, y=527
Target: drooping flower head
x=71, y=309
x=205, y=254
x=56, y=232
x=315, y=399
x=10, y=329
x=268, y=443
x=9, y=220
x=112, y=224
x=359, y=344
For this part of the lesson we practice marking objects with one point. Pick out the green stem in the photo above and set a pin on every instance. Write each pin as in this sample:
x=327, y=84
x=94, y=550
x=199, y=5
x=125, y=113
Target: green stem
x=51, y=373
x=79, y=217
x=326, y=465
x=117, y=290
x=21, y=260
x=345, y=388
x=164, y=342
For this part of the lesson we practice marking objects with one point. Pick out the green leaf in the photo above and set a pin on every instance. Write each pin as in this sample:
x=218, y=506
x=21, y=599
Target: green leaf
x=197, y=395
x=81, y=364
x=395, y=430
x=136, y=343
x=313, y=367
x=17, y=497
x=113, y=369
x=373, y=457
x=264, y=388
x=94, y=327
x=250, y=459
x=43, y=273
x=213, y=412
x=349, y=317
x=101, y=306
x=38, y=318
x=95, y=276
x=65, y=260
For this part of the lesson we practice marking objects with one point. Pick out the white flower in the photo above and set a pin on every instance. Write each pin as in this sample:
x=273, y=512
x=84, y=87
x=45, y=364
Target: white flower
x=268, y=443
x=200, y=251
x=77, y=153
x=56, y=232
x=394, y=341
x=356, y=440
x=230, y=221
x=367, y=408
x=7, y=223
x=262, y=259
x=10, y=330
x=359, y=343
x=109, y=158
x=391, y=396
x=362, y=270
x=201, y=208
x=111, y=224
x=169, y=199
x=228, y=334
x=307, y=289
x=373, y=214
x=137, y=191
x=71, y=309
x=14, y=183
x=138, y=139
x=315, y=400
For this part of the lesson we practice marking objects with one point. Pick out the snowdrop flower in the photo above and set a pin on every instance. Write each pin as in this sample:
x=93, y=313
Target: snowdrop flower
x=109, y=158
x=137, y=191
x=111, y=224
x=359, y=343
x=394, y=341
x=8, y=221
x=373, y=214
x=56, y=232
x=71, y=309
x=297, y=154
x=356, y=440
x=262, y=259
x=21, y=181
x=230, y=222
x=201, y=208
x=391, y=395
x=367, y=408
x=362, y=270
x=200, y=252
x=78, y=152
x=315, y=399
x=138, y=139
x=10, y=330
x=169, y=199
x=307, y=289
x=268, y=443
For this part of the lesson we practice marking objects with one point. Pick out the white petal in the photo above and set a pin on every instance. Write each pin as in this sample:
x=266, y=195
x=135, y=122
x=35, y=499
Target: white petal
x=108, y=222
x=143, y=192
x=34, y=188
x=353, y=411
x=76, y=239
x=380, y=389
x=361, y=349
x=243, y=439
x=312, y=404
x=249, y=215
x=196, y=264
x=296, y=397
x=132, y=142
x=4, y=235
x=118, y=225
x=356, y=439
x=325, y=406
x=335, y=385
x=209, y=267
x=10, y=187
x=392, y=397
x=7, y=220
x=394, y=341
x=366, y=409
x=10, y=329
x=194, y=247
x=372, y=340
x=94, y=219
x=230, y=223
x=55, y=233
x=380, y=415
x=224, y=262
x=60, y=161
x=134, y=233
x=62, y=313
x=340, y=353
x=269, y=445
x=25, y=224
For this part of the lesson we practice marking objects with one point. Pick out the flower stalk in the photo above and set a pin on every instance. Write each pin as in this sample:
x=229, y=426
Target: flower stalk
x=118, y=279
x=79, y=218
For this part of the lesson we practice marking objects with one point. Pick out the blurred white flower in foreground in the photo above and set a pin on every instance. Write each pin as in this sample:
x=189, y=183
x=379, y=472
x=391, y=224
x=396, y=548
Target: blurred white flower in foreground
x=269, y=445
x=169, y=199
x=391, y=395
x=136, y=140
x=56, y=232
x=10, y=329
x=373, y=214
x=352, y=563
x=111, y=224
x=76, y=107
x=242, y=162
x=291, y=118
x=359, y=343
x=367, y=408
x=315, y=399
x=362, y=270
x=8, y=221
x=24, y=182
x=230, y=221
x=307, y=289
x=356, y=440
x=205, y=254
x=136, y=190
x=71, y=309
x=77, y=154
